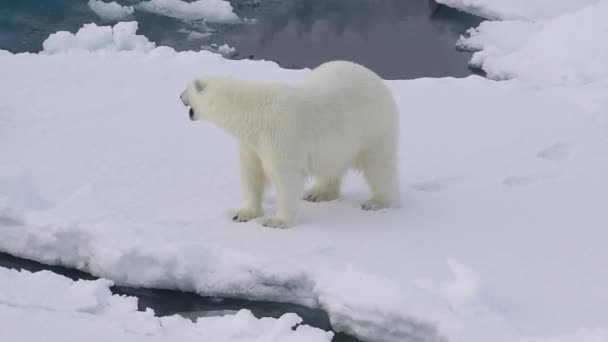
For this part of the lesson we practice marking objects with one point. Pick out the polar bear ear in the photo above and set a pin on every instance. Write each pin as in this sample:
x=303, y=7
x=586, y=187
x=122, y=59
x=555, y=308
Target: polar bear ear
x=199, y=85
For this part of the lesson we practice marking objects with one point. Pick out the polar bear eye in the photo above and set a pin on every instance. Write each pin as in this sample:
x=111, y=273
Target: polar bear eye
x=199, y=85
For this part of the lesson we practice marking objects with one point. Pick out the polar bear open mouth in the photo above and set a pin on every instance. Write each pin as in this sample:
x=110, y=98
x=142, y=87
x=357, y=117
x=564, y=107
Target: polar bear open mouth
x=191, y=113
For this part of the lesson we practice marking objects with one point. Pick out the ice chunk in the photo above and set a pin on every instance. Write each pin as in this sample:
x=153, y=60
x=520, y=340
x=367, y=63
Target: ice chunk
x=217, y=11
x=110, y=11
x=224, y=50
x=121, y=37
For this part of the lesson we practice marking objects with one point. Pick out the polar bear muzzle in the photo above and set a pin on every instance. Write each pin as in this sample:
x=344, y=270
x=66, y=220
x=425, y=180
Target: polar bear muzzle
x=191, y=113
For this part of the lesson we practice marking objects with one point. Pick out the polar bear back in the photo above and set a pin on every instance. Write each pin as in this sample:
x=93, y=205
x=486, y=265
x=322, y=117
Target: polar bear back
x=343, y=109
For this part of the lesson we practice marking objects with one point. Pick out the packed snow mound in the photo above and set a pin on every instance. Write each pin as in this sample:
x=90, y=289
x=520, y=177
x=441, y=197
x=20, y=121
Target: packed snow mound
x=66, y=310
x=215, y=11
x=110, y=11
x=107, y=174
x=527, y=10
x=568, y=49
x=121, y=37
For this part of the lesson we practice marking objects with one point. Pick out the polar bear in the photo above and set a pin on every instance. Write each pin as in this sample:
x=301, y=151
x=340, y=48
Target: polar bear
x=340, y=116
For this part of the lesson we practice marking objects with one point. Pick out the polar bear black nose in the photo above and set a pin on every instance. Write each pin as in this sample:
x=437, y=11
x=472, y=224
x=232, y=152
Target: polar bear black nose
x=191, y=112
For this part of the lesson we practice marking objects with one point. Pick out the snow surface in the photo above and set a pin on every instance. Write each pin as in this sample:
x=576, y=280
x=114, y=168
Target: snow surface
x=518, y=9
x=570, y=48
x=502, y=237
x=110, y=10
x=215, y=11
x=44, y=306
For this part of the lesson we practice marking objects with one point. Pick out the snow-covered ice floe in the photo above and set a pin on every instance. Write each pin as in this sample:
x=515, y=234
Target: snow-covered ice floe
x=46, y=306
x=501, y=237
x=518, y=9
x=569, y=48
x=214, y=11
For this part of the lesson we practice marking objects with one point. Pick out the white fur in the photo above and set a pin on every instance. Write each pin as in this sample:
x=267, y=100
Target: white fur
x=340, y=117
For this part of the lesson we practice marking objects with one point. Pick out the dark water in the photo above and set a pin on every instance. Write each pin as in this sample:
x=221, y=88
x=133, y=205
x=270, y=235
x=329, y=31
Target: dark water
x=189, y=305
x=399, y=39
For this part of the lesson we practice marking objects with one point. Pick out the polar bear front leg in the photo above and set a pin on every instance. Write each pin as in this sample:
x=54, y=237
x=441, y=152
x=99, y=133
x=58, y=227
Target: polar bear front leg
x=289, y=185
x=253, y=181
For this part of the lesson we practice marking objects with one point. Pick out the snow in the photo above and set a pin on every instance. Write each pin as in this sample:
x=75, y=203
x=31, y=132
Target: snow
x=111, y=11
x=501, y=238
x=63, y=310
x=215, y=11
x=518, y=9
x=562, y=50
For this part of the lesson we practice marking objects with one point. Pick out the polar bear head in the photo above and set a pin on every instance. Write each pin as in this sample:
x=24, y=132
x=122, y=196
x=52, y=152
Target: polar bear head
x=230, y=103
x=189, y=97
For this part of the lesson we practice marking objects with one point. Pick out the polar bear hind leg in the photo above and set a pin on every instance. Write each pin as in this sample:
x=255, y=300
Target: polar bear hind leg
x=379, y=166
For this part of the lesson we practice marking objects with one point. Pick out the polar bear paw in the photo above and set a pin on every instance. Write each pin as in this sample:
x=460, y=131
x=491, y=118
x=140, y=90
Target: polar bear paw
x=318, y=195
x=274, y=222
x=245, y=215
x=374, y=205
